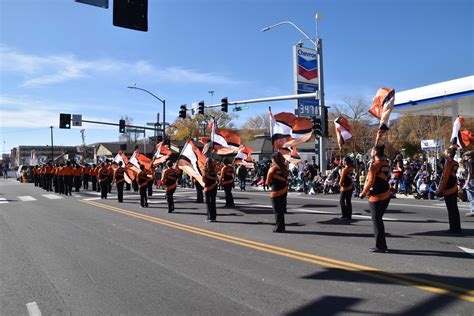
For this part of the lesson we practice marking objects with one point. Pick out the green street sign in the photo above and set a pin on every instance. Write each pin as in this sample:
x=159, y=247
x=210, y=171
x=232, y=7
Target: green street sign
x=240, y=108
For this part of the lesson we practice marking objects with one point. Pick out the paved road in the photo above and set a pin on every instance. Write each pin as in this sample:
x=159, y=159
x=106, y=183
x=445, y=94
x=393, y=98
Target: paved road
x=85, y=255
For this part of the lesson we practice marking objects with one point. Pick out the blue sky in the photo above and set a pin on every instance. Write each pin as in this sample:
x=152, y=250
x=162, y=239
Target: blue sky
x=61, y=56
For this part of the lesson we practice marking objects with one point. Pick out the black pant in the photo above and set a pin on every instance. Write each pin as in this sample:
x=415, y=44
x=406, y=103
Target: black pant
x=120, y=192
x=143, y=197
x=77, y=183
x=149, y=187
x=127, y=186
x=211, y=204
x=85, y=181
x=346, y=204
x=169, y=198
x=56, y=184
x=453, y=212
x=104, y=189
x=279, y=210
x=49, y=182
x=109, y=182
x=135, y=186
x=68, y=185
x=94, y=183
x=229, y=199
x=377, y=209
x=61, y=185
x=200, y=196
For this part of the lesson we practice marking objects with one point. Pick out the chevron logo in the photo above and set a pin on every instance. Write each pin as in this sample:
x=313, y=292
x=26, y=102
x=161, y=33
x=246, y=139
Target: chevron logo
x=307, y=68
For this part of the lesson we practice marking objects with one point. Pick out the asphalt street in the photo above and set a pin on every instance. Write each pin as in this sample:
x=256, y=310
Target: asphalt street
x=84, y=255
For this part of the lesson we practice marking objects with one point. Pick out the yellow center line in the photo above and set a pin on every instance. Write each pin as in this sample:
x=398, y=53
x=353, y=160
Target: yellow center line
x=427, y=285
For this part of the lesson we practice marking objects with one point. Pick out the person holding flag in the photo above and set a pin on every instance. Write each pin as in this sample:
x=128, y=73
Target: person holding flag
x=142, y=181
x=448, y=186
x=119, y=180
x=378, y=190
x=277, y=180
x=226, y=180
x=169, y=178
x=200, y=195
x=210, y=188
x=347, y=187
x=103, y=177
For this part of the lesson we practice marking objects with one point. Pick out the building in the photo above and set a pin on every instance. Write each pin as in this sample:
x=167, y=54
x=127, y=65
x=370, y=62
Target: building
x=33, y=155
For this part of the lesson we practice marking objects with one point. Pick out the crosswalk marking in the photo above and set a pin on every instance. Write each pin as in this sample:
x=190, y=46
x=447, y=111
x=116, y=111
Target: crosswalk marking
x=52, y=196
x=26, y=198
x=3, y=200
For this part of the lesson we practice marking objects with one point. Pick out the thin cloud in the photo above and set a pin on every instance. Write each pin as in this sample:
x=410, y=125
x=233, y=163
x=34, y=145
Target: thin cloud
x=40, y=71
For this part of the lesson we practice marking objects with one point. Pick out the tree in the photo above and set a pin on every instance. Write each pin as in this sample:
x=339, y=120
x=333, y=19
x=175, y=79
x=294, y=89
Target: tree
x=182, y=129
x=253, y=126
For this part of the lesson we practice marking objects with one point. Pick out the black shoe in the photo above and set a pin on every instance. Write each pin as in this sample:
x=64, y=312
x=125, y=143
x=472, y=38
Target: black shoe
x=382, y=250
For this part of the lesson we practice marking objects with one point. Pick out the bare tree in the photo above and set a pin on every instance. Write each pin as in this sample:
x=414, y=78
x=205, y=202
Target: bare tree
x=355, y=108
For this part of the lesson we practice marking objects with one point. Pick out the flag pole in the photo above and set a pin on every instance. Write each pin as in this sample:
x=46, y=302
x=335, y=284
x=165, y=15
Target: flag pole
x=270, y=114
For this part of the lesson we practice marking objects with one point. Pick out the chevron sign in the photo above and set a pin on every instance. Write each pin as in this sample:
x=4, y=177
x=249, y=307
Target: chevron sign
x=306, y=80
x=306, y=65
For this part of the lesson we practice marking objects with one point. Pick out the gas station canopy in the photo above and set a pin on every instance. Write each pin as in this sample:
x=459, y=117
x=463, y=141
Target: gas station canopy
x=448, y=98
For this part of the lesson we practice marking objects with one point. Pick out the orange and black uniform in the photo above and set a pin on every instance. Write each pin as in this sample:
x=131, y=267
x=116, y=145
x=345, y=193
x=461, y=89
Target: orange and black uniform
x=378, y=190
x=169, y=179
x=449, y=188
x=151, y=178
x=142, y=181
x=277, y=180
x=68, y=174
x=347, y=188
x=61, y=184
x=210, y=190
x=77, y=178
x=94, y=173
x=227, y=182
x=103, y=179
x=86, y=171
x=119, y=179
x=49, y=178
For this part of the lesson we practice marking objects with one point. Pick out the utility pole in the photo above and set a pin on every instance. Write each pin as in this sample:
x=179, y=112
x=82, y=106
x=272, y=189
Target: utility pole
x=52, y=145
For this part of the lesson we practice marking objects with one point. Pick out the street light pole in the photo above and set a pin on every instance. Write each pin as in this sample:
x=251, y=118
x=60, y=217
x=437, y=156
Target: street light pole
x=162, y=101
x=317, y=42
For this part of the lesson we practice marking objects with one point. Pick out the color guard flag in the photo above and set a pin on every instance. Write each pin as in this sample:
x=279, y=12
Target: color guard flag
x=224, y=142
x=290, y=154
x=133, y=167
x=382, y=106
x=121, y=157
x=162, y=153
x=288, y=130
x=244, y=157
x=343, y=131
x=192, y=161
x=460, y=138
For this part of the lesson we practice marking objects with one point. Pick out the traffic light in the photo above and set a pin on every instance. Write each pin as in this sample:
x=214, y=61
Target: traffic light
x=324, y=122
x=224, y=104
x=64, y=120
x=317, y=128
x=201, y=108
x=182, y=111
x=131, y=14
x=122, y=126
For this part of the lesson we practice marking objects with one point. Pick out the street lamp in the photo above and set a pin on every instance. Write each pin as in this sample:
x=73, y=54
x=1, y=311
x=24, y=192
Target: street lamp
x=317, y=42
x=162, y=101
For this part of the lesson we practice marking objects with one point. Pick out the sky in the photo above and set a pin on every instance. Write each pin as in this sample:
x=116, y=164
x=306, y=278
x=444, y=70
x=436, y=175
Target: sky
x=59, y=56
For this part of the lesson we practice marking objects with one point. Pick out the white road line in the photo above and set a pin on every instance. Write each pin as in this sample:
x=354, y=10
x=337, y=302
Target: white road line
x=3, y=201
x=468, y=250
x=91, y=199
x=26, y=198
x=52, y=196
x=33, y=309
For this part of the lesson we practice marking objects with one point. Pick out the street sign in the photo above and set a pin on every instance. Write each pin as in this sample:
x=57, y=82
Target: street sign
x=240, y=108
x=306, y=80
x=135, y=130
x=76, y=120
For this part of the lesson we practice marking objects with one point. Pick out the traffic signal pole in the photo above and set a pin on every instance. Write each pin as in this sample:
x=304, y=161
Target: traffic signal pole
x=115, y=124
x=323, y=140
